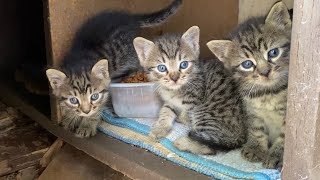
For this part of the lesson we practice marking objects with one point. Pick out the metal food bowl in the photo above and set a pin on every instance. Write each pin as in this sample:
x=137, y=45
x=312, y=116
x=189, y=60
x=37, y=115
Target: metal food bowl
x=135, y=100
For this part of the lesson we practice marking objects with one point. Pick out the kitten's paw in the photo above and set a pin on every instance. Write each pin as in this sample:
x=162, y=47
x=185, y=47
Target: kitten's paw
x=84, y=132
x=250, y=154
x=273, y=162
x=160, y=131
x=187, y=144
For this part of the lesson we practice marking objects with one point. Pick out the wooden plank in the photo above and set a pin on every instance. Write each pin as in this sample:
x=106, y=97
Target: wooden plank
x=252, y=8
x=52, y=151
x=55, y=111
x=134, y=162
x=70, y=163
x=302, y=153
x=21, y=146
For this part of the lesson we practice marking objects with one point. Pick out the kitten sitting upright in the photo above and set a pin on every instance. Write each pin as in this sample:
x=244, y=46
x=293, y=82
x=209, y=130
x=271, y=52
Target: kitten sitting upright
x=194, y=92
x=258, y=56
x=102, y=52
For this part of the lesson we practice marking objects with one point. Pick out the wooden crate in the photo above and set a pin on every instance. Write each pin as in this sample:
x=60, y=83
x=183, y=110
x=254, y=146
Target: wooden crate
x=215, y=19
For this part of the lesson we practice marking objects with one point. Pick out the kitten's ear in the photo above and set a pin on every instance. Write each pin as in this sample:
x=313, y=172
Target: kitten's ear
x=279, y=16
x=220, y=47
x=100, y=69
x=143, y=48
x=192, y=37
x=56, y=78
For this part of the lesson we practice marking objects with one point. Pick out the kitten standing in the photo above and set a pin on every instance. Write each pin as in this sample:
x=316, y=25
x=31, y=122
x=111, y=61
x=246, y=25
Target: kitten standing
x=196, y=92
x=258, y=56
x=102, y=52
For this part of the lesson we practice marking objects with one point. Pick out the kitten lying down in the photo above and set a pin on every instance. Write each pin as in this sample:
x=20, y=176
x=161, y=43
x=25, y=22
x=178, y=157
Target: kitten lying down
x=199, y=93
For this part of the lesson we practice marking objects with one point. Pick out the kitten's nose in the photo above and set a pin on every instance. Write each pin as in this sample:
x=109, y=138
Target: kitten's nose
x=85, y=110
x=264, y=72
x=174, y=76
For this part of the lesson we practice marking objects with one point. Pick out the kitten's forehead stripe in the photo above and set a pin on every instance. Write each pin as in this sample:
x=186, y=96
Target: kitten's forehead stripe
x=260, y=40
x=163, y=59
x=247, y=48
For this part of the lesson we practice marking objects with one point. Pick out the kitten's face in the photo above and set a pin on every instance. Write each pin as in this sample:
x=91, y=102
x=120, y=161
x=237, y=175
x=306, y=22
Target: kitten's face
x=83, y=95
x=258, y=55
x=170, y=61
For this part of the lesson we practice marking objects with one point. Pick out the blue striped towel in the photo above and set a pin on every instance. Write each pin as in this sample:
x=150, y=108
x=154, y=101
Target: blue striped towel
x=224, y=165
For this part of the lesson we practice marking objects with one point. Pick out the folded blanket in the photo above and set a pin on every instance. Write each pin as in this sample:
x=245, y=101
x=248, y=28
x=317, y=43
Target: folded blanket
x=224, y=165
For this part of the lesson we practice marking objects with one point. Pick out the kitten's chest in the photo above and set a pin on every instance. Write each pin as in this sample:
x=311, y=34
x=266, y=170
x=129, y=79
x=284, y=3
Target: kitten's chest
x=271, y=108
x=174, y=99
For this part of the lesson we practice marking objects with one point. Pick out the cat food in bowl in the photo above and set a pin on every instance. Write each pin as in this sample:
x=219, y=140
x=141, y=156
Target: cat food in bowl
x=135, y=100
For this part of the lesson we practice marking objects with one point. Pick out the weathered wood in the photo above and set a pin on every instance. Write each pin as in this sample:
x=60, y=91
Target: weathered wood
x=21, y=146
x=52, y=151
x=70, y=163
x=27, y=160
x=134, y=162
x=29, y=173
x=252, y=8
x=302, y=153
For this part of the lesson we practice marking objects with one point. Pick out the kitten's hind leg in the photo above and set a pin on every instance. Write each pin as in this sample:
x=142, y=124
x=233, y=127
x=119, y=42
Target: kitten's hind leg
x=164, y=124
x=187, y=144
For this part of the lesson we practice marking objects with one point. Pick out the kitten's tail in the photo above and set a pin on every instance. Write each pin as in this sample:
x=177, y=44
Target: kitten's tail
x=221, y=141
x=157, y=18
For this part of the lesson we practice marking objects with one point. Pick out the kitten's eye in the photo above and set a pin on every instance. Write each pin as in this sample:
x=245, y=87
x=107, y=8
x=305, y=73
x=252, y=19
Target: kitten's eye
x=94, y=96
x=273, y=53
x=162, y=68
x=184, y=65
x=247, y=64
x=73, y=100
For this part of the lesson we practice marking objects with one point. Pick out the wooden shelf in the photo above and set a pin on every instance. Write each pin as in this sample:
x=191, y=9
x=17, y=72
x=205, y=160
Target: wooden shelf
x=132, y=161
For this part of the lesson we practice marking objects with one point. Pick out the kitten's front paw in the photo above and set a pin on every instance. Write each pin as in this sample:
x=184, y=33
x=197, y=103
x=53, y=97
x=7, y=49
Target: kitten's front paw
x=184, y=118
x=86, y=132
x=250, y=154
x=189, y=145
x=273, y=162
x=160, y=131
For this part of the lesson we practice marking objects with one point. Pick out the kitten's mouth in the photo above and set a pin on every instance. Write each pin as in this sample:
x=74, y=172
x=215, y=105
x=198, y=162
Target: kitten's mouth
x=174, y=85
x=91, y=113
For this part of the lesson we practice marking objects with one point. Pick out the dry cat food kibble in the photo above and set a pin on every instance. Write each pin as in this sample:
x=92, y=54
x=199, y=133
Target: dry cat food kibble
x=138, y=77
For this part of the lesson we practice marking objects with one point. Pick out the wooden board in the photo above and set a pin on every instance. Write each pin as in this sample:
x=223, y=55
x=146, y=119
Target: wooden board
x=134, y=162
x=71, y=163
x=302, y=143
x=21, y=144
x=251, y=8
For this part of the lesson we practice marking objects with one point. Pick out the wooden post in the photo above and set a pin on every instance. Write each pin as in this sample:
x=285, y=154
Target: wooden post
x=302, y=144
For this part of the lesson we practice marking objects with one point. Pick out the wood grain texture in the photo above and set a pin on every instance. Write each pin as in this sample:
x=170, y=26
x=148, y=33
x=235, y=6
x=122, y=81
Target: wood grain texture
x=301, y=158
x=251, y=8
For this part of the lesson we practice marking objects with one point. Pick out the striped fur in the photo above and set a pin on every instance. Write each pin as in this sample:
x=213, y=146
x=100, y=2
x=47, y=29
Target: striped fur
x=204, y=96
x=108, y=36
x=264, y=86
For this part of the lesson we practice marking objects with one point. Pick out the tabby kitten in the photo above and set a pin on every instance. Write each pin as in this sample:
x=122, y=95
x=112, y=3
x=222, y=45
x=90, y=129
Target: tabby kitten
x=200, y=94
x=102, y=52
x=258, y=56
